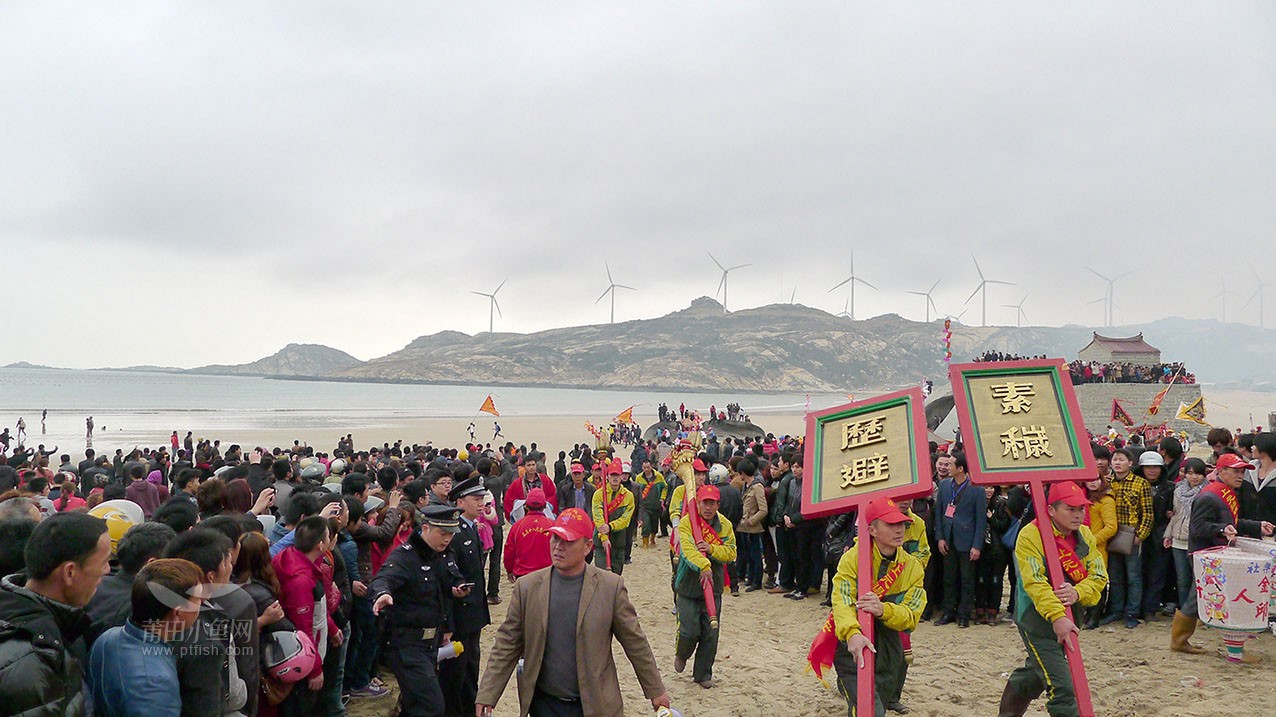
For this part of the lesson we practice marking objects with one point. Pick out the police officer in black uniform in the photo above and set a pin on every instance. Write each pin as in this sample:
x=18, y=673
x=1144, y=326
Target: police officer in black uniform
x=417, y=588
x=470, y=613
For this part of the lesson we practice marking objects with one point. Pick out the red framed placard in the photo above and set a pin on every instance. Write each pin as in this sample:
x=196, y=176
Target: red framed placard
x=1020, y=421
x=866, y=449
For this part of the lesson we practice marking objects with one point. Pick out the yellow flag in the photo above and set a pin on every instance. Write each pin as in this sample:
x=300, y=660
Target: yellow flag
x=489, y=407
x=626, y=416
x=1194, y=412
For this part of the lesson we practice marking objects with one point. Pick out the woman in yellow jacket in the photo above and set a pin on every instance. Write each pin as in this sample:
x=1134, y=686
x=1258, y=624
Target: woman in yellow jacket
x=1103, y=525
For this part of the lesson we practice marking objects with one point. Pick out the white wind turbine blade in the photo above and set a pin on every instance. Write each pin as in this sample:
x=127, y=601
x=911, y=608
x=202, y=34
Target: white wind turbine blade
x=840, y=284
x=622, y=286
x=1101, y=276
x=715, y=261
x=604, y=294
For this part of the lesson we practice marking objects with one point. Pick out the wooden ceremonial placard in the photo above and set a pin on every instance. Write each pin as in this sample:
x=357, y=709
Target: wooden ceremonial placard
x=1020, y=420
x=875, y=448
x=1020, y=423
x=866, y=449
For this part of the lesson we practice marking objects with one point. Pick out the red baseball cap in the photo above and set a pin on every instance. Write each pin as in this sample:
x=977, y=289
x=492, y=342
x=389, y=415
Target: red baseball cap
x=574, y=524
x=699, y=467
x=1231, y=460
x=1068, y=492
x=709, y=492
x=578, y=467
x=886, y=510
x=535, y=498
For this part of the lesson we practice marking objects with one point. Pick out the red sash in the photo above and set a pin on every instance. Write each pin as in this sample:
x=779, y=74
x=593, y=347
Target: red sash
x=1073, y=566
x=1228, y=495
x=646, y=490
x=820, y=657
x=609, y=506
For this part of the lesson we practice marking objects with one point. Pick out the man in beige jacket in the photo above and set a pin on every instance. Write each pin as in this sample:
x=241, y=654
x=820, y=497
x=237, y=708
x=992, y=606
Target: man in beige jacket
x=749, y=532
x=569, y=670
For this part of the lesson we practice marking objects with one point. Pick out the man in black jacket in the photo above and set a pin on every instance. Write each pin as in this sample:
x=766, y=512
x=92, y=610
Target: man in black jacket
x=417, y=587
x=113, y=602
x=1215, y=522
x=42, y=616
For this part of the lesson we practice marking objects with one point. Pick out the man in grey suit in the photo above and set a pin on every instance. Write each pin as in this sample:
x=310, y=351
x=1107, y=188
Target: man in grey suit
x=569, y=671
x=960, y=521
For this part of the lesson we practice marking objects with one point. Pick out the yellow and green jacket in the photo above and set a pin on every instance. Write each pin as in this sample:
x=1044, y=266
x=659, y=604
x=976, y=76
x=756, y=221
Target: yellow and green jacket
x=915, y=542
x=619, y=518
x=1036, y=606
x=658, y=487
x=691, y=563
x=903, y=602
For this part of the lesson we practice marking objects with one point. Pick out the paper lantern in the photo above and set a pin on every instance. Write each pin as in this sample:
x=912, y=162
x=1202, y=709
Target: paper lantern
x=1233, y=594
x=1262, y=547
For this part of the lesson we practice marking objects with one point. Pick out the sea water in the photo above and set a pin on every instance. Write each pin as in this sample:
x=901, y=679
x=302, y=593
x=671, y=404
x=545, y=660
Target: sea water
x=125, y=404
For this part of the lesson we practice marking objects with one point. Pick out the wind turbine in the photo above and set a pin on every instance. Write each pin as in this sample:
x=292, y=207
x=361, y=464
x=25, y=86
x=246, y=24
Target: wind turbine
x=845, y=314
x=722, y=285
x=1257, y=293
x=983, y=288
x=1109, y=318
x=611, y=289
x=1222, y=298
x=1019, y=314
x=852, y=280
x=930, y=303
x=495, y=307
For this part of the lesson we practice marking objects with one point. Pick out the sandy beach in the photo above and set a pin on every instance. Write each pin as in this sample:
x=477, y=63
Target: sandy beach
x=764, y=641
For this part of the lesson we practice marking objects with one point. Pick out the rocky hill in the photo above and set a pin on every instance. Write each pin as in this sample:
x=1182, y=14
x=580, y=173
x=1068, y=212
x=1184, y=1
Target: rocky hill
x=309, y=360
x=783, y=347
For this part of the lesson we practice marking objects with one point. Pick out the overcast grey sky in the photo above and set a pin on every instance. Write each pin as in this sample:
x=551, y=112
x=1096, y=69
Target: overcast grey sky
x=191, y=183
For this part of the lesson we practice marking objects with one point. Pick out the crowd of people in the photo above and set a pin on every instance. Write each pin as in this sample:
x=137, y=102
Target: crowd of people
x=1125, y=372
x=288, y=581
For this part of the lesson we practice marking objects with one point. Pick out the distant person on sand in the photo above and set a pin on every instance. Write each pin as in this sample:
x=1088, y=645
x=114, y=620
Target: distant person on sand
x=470, y=428
x=44, y=416
x=497, y=434
x=22, y=430
x=88, y=428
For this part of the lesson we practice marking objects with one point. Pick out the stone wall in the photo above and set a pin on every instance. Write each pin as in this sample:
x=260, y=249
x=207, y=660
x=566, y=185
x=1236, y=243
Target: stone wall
x=1096, y=405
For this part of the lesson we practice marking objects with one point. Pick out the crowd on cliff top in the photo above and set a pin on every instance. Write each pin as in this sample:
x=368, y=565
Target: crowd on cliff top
x=1095, y=372
x=1115, y=372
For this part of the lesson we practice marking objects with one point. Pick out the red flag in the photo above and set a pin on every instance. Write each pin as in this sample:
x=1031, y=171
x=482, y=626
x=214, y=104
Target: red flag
x=626, y=416
x=489, y=407
x=823, y=647
x=1120, y=415
x=1155, y=408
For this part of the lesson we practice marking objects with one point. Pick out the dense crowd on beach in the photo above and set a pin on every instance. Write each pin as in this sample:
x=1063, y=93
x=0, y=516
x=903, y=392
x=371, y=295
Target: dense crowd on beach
x=313, y=565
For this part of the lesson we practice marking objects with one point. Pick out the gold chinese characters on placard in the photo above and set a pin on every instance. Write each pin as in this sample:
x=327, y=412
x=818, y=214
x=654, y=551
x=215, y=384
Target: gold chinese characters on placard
x=866, y=451
x=1020, y=422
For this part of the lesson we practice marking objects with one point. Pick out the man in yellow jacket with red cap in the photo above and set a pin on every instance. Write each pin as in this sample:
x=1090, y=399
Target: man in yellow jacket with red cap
x=896, y=602
x=1041, y=611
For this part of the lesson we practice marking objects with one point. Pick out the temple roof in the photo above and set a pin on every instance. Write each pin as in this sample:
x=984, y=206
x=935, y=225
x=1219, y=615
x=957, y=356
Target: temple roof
x=1127, y=345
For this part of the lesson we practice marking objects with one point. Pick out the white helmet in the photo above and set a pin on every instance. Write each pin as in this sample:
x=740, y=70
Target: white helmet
x=718, y=473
